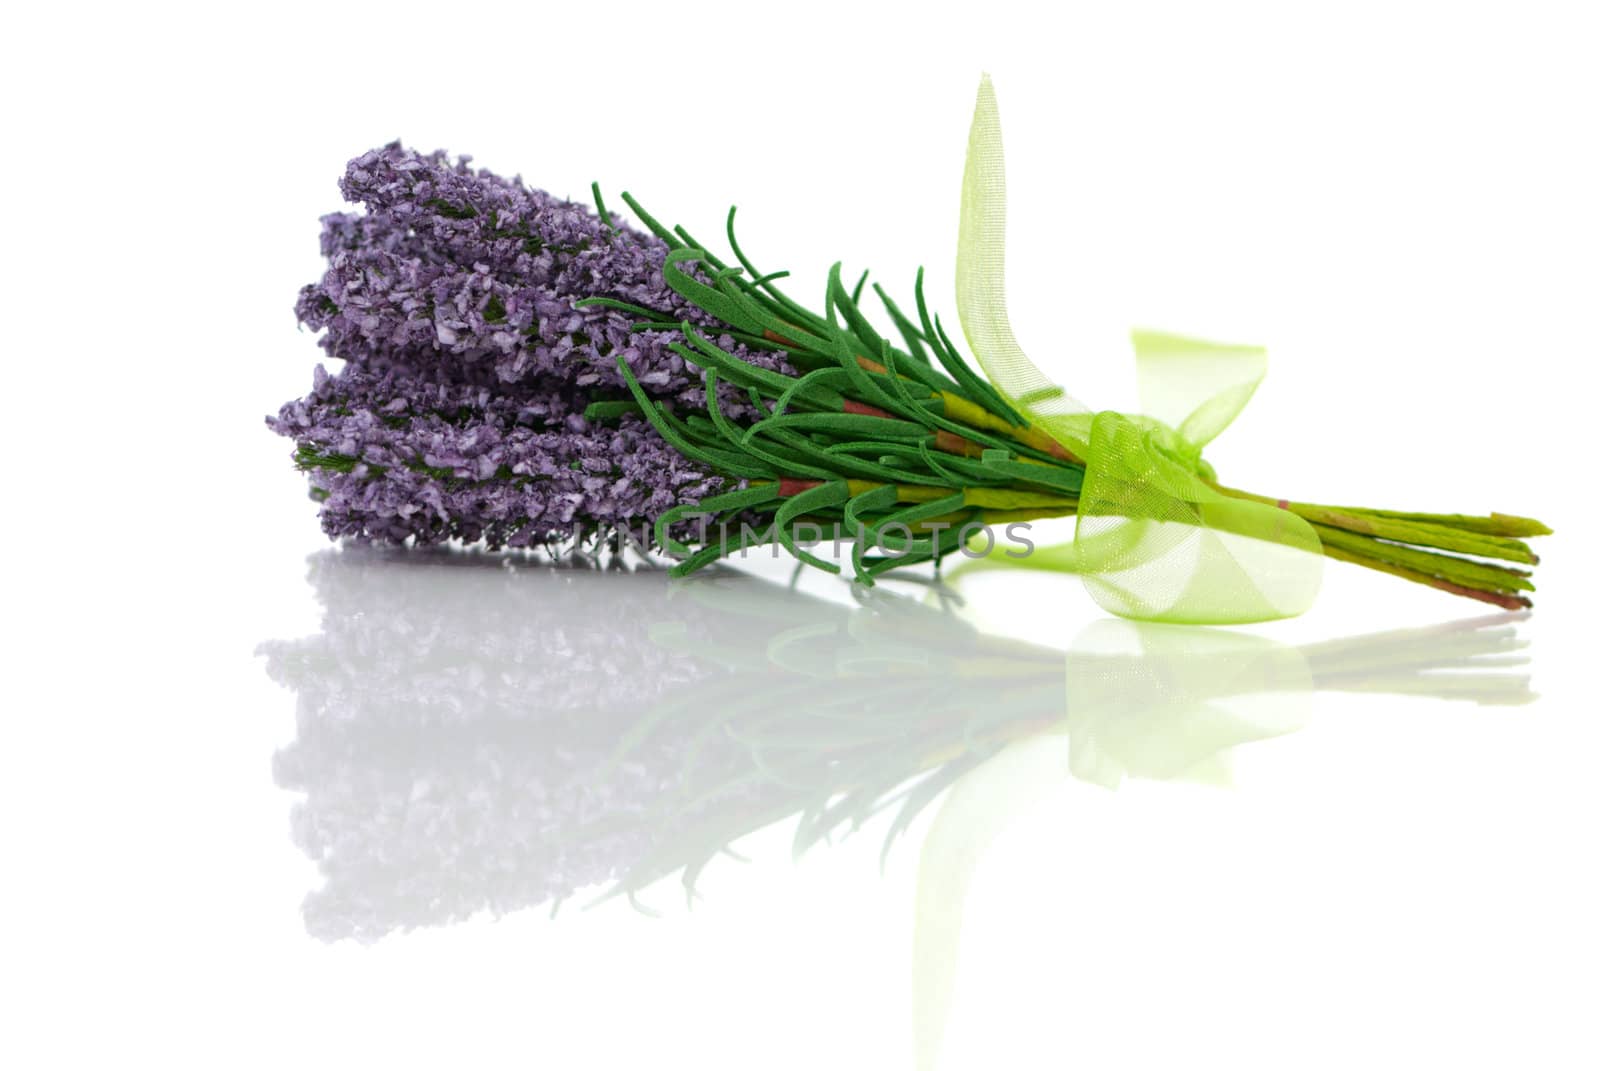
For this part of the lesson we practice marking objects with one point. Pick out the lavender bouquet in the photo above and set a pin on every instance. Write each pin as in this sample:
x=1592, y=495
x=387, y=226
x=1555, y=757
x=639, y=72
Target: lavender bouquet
x=524, y=370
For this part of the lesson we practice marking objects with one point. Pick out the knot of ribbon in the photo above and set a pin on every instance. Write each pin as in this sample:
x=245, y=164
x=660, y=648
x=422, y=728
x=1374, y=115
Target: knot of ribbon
x=1156, y=540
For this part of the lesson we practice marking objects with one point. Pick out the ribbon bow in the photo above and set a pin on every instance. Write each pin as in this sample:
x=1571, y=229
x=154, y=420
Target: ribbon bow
x=1155, y=540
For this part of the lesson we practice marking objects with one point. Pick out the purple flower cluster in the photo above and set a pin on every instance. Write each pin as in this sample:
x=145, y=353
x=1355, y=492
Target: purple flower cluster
x=401, y=454
x=459, y=266
x=458, y=413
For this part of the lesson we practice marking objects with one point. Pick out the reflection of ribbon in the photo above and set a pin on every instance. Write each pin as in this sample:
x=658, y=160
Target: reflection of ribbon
x=1154, y=539
x=1150, y=701
x=1165, y=703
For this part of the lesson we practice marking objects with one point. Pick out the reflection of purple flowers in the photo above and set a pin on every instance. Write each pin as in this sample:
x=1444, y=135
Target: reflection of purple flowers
x=461, y=736
x=473, y=735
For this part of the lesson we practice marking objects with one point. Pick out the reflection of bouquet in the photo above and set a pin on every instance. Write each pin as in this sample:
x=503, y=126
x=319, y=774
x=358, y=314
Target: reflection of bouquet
x=475, y=737
x=457, y=722
x=520, y=369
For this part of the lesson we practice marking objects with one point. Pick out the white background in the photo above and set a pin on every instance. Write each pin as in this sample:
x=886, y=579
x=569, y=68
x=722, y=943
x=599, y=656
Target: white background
x=1398, y=199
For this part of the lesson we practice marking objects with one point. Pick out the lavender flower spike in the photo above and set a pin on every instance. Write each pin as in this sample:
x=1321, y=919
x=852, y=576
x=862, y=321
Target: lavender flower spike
x=454, y=265
x=406, y=454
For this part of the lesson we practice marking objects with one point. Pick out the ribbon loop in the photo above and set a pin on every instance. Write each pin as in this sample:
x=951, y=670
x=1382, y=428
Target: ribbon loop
x=1193, y=386
x=1155, y=540
x=981, y=288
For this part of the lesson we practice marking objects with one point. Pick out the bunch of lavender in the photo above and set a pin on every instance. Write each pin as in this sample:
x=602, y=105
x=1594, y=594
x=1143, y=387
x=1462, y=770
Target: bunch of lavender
x=755, y=408
x=467, y=405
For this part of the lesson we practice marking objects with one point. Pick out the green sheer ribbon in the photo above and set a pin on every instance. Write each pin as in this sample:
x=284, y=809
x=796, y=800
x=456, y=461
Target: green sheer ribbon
x=1155, y=541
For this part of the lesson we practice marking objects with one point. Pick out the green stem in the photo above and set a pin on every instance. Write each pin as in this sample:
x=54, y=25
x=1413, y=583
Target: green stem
x=1460, y=570
x=1509, y=602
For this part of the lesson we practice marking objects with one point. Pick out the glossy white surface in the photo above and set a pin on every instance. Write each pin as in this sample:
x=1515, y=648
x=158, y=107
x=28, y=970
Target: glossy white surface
x=271, y=805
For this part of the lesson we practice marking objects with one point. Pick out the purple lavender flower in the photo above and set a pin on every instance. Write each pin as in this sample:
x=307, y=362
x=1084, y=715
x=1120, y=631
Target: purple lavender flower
x=413, y=453
x=462, y=267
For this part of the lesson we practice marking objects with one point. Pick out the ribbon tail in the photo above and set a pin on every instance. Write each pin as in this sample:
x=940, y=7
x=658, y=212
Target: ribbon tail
x=981, y=288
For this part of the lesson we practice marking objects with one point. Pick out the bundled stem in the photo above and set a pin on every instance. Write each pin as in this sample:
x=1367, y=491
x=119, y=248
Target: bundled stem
x=1418, y=547
x=905, y=448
